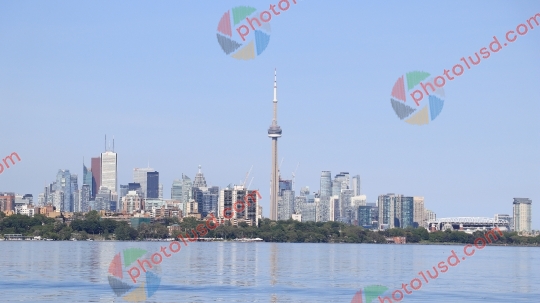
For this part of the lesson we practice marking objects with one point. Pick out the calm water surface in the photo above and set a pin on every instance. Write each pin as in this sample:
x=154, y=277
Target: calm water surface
x=38, y=271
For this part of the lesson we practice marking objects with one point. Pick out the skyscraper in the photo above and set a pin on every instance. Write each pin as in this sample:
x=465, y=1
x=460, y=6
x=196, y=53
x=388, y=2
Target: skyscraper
x=87, y=178
x=96, y=175
x=109, y=171
x=386, y=204
x=406, y=216
x=286, y=204
x=229, y=209
x=326, y=184
x=199, y=180
x=274, y=132
x=85, y=197
x=418, y=211
x=152, y=185
x=356, y=185
x=63, y=184
x=75, y=195
x=522, y=215
x=176, y=190
x=140, y=175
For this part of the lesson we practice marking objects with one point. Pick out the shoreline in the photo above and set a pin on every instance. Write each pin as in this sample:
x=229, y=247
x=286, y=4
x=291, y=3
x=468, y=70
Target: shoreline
x=239, y=241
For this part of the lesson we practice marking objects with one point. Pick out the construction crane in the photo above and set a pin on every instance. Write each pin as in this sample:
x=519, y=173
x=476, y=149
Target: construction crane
x=294, y=175
x=247, y=175
x=250, y=182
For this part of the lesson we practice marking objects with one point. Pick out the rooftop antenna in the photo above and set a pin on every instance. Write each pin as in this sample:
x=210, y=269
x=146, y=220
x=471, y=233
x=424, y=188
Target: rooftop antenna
x=294, y=175
x=105, y=142
x=113, y=143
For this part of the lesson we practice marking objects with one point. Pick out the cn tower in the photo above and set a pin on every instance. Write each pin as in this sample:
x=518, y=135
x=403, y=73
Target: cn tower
x=274, y=132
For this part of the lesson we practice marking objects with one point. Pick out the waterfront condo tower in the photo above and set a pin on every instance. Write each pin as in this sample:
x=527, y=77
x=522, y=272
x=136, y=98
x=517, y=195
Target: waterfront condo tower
x=274, y=132
x=522, y=215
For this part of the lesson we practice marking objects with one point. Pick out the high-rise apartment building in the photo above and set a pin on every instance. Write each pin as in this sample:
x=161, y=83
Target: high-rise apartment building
x=229, y=209
x=85, y=197
x=418, y=207
x=7, y=202
x=386, y=204
x=355, y=186
x=131, y=202
x=109, y=171
x=75, y=194
x=64, y=184
x=343, y=177
x=103, y=199
x=57, y=200
x=522, y=215
x=324, y=209
x=210, y=201
x=366, y=215
x=406, y=213
x=396, y=211
x=286, y=204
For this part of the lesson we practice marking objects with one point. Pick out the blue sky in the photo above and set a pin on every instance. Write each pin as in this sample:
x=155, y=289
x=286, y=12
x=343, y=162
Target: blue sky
x=152, y=75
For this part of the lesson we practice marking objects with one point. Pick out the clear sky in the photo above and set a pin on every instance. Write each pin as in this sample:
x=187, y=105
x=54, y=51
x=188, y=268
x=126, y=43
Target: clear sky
x=151, y=74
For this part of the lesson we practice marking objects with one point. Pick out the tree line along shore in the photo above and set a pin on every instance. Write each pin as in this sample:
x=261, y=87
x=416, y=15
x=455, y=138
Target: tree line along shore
x=92, y=226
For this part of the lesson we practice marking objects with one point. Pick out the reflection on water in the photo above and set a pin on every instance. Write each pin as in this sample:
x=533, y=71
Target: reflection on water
x=37, y=271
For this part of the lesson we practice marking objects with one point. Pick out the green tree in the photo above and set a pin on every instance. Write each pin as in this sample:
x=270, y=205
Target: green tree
x=125, y=232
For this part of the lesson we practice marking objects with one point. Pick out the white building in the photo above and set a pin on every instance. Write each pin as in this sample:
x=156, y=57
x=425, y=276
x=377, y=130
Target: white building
x=131, y=202
x=24, y=209
x=522, y=215
x=109, y=171
x=429, y=216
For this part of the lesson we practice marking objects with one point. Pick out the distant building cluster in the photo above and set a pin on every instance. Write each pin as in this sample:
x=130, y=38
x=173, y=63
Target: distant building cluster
x=142, y=198
x=340, y=199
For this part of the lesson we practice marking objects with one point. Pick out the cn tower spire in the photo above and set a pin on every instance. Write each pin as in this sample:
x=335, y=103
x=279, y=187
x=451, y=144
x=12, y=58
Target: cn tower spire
x=274, y=121
x=274, y=132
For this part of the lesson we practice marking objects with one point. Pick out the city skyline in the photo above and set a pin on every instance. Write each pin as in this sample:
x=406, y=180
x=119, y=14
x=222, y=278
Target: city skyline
x=69, y=81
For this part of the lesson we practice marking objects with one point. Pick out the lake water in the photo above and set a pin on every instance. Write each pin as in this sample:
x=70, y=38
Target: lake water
x=50, y=271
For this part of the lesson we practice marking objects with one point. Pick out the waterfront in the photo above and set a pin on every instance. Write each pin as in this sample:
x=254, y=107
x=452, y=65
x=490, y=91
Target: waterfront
x=38, y=271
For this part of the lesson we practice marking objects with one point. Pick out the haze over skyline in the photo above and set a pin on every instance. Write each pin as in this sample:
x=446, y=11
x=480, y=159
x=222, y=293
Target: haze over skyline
x=153, y=76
